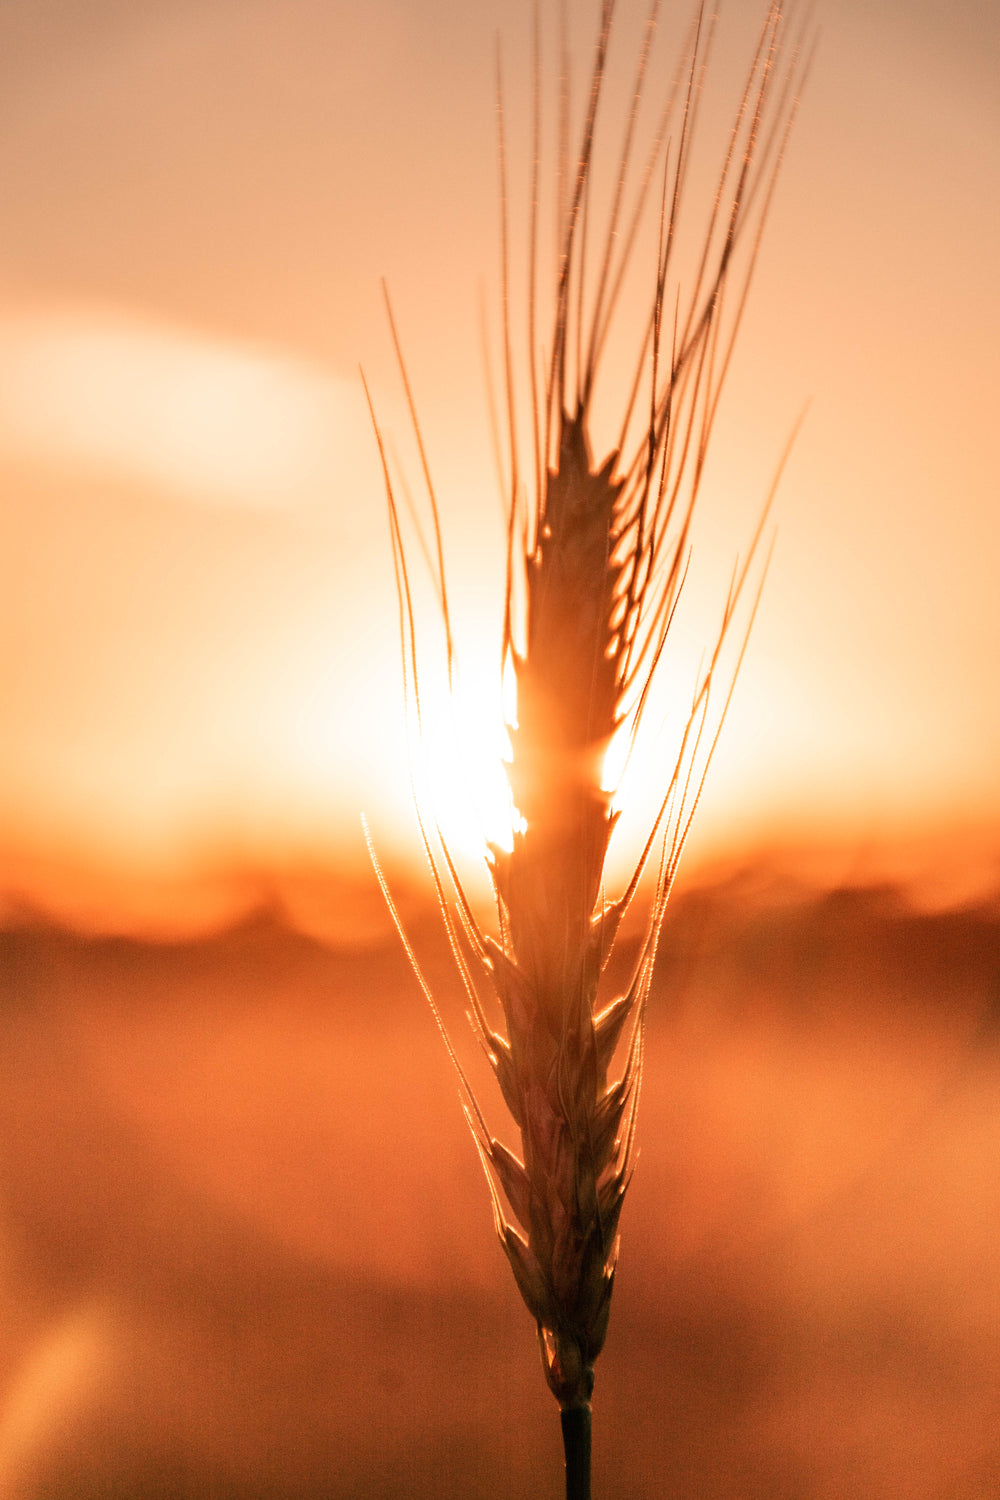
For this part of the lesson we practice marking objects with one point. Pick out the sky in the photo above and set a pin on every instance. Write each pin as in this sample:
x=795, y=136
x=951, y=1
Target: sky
x=198, y=650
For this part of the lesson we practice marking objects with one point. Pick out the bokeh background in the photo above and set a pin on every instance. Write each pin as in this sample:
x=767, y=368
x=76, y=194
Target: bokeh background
x=243, y=1244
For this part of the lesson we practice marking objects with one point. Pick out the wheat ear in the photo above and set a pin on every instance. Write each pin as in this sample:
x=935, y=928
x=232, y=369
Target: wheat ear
x=597, y=556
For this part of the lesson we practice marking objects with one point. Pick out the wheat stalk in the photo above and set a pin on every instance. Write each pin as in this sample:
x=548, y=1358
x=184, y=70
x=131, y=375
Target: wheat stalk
x=597, y=555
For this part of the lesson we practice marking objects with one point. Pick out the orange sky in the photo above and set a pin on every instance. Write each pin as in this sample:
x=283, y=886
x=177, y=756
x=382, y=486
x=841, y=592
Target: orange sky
x=197, y=622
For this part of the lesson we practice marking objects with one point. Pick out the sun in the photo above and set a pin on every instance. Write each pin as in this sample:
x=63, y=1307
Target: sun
x=458, y=751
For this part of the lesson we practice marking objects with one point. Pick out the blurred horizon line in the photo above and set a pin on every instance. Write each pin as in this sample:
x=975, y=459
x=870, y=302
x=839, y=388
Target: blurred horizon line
x=337, y=900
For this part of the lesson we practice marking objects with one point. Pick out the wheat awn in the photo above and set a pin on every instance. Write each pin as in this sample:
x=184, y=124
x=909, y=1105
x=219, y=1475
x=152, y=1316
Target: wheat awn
x=597, y=556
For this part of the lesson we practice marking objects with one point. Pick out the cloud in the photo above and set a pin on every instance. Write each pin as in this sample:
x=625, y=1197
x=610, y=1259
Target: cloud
x=108, y=394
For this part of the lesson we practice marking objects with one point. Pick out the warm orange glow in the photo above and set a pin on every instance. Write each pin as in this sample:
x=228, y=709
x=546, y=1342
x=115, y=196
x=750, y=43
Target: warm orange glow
x=237, y=1250
x=95, y=392
x=458, y=756
x=201, y=663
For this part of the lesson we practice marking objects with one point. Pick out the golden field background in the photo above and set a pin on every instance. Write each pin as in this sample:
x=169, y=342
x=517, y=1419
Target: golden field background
x=247, y=1247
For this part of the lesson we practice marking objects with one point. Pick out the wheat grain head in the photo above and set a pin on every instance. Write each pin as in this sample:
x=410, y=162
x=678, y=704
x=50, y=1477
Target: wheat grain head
x=597, y=556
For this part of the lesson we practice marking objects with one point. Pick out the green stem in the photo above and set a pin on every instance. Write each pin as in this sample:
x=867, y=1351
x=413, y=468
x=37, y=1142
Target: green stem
x=576, y=1442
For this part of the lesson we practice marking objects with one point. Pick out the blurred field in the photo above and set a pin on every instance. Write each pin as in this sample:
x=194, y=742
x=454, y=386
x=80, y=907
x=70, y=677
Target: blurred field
x=247, y=1252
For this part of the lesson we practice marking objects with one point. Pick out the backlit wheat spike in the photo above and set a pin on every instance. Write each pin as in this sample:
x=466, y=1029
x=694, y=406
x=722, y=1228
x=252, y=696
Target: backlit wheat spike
x=597, y=555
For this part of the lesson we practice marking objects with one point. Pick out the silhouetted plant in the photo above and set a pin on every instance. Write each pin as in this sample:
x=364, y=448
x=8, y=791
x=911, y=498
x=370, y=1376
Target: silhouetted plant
x=597, y=557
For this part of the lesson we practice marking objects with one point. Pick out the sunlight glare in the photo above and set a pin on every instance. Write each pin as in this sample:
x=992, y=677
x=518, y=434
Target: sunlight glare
x=458, y=757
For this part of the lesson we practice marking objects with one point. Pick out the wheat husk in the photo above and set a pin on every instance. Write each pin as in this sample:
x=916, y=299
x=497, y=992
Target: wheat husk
x=591, y=593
